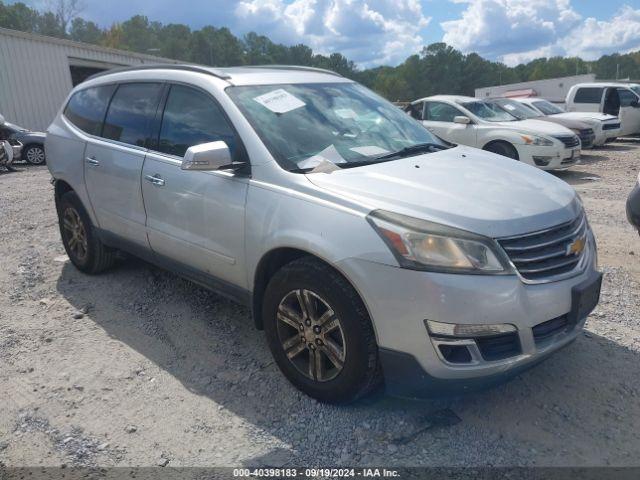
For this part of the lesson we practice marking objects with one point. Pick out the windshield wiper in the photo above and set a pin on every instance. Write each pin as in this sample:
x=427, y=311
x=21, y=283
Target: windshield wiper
x=411, y=150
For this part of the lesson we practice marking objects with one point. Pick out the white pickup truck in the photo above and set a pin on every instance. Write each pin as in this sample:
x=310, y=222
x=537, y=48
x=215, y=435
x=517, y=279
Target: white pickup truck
x=619, y=99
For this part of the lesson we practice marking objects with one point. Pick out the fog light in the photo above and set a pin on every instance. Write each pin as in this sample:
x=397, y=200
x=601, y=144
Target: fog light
x=542, y=161
x=458, y=330
x=455, y=353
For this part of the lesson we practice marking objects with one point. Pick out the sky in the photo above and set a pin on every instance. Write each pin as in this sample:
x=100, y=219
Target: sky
x=385, y=32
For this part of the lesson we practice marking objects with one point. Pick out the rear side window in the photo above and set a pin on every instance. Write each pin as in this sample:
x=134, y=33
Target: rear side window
x=131, y=113
x=86, y=108
x=588, y=95
x=627, y=97
x=191, y=118
x=440, y=112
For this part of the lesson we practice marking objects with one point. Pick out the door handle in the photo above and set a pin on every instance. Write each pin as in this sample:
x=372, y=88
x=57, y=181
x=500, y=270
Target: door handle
x=92, y=161
x=155, y=179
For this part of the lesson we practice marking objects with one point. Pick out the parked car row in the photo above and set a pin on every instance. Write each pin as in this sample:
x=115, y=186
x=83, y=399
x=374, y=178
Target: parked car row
x=370, y=249
x=498, y=128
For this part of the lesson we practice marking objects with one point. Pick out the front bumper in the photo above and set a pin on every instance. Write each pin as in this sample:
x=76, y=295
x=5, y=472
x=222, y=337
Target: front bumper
x=548, y=158
x=605, y=134
x=633, y=207
x=400, y=300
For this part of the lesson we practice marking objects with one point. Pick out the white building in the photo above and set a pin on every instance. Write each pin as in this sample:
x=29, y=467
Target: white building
x=37, y=73
x=553, y=89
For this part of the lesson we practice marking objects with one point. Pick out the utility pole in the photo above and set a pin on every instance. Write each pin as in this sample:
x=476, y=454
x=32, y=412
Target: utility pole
x=617, y=71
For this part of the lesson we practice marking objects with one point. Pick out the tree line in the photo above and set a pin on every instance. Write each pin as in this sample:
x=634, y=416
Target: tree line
x=438, y=68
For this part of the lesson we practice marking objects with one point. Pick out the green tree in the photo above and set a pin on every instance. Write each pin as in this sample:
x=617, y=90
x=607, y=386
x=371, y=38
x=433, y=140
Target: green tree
x=84, y=31
x=175, y=40
x=139, y=35
x=18, y=16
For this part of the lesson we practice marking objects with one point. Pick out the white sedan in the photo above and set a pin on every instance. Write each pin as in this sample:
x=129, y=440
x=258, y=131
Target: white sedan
x=469, y=121
x=606, y=127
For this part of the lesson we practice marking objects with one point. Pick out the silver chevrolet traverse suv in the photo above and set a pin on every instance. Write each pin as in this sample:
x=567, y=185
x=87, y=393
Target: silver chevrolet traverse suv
x=369, y=251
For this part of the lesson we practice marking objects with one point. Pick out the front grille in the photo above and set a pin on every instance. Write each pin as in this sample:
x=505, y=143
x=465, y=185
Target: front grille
x=499, y=347
x=610, y=126
x=586, y=137
x=546, y=330
x=544, y=254
x=569, y=141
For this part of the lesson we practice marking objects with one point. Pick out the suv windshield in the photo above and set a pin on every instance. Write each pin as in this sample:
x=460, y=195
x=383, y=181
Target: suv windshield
x=306, y=125
x=547, y=107
x=517, y=109
x=489, y=112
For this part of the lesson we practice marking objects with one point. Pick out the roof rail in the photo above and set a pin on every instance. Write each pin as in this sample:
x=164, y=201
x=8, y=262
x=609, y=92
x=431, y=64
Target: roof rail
x=294, y=67
x=168, y=66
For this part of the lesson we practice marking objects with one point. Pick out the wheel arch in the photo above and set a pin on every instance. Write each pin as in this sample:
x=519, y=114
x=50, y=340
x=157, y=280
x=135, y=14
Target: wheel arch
x=495, y=141
x=274, y=260
x=60, y=188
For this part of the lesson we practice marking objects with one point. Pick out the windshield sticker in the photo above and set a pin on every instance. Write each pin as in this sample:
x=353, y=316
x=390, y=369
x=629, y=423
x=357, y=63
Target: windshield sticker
x=369, y=150
x=346, y=113
x=279, y=101
x=509, y=107
x=329, y=154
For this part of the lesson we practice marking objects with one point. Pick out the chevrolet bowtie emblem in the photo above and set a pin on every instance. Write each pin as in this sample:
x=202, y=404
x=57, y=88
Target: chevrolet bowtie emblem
x=576, y=247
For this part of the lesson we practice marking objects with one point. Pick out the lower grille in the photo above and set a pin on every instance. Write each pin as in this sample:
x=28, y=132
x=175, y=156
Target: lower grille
x=610, y=126
x=499, y=347
x=545, y=254
x=547, y=330
x=570, y=141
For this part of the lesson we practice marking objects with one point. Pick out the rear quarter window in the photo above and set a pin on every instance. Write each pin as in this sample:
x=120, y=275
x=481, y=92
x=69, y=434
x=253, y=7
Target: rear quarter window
x=588, y=95
x=86, y=108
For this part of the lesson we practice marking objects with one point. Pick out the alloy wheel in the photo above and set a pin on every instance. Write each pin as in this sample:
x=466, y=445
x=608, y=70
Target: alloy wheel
x=75, y=233
x=311, y=335
x=35, y=155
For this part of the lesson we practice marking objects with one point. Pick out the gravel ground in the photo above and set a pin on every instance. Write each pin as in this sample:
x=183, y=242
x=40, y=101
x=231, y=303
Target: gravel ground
x=137, y=367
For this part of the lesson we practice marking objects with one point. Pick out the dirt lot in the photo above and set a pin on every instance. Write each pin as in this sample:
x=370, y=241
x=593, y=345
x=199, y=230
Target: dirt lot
x=138, y=367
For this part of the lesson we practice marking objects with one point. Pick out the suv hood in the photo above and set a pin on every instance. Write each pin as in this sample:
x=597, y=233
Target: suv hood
x=461, y=187
x=536, y=127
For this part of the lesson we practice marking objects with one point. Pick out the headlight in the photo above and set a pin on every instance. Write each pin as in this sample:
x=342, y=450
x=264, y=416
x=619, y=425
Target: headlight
x=536, y=140
x=421, y=245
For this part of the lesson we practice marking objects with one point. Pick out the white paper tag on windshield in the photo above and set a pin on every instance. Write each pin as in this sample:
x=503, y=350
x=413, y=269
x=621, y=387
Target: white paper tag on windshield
x=329, y=154
x=279, y=101
x=369, y=150
x=346, y=113
x=509, y=107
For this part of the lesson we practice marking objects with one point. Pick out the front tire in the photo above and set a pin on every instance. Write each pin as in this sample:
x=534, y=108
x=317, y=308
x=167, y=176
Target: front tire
x=84, y=248
x=319, y=332
x=34, y=154
x=502, y=148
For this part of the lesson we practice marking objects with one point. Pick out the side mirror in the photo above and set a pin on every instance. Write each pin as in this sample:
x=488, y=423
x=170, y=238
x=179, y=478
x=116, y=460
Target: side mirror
x=635, y=103
x=462, y=119
x=207, y=157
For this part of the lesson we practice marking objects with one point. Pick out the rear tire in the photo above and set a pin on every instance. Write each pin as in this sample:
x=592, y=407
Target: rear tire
x=84, y=248
x=329, y=353
x=502, y=148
